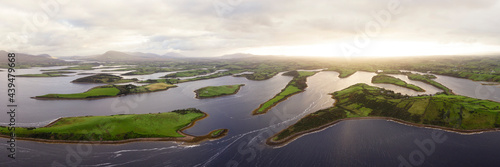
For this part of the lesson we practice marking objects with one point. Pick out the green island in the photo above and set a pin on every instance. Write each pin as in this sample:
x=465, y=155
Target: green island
x=167, y=126
x=449, y=112
x=103, y=78
x=176, y=81
x=81, y=67
x=48, y=74
x=217, y=91
x=109, y=91
x=190, y=73
x=296, y=85
x=145, y=70
x=428, y=79
x=381, y=78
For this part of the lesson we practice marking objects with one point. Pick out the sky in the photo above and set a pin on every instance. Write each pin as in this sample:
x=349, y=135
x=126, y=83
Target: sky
x=208, y=28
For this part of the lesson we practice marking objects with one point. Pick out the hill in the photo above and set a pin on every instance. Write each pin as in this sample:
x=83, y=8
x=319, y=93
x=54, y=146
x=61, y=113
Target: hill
x=26, y=60
x=116, y=56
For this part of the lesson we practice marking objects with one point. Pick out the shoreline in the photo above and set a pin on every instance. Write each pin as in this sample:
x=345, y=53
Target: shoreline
x=97, y=97
x=290, y=139
x=239, y=87
x=423, y=90
x=256, y=111
x=187, y=138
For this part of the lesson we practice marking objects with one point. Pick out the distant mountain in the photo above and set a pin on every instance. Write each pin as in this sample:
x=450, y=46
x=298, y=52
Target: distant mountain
x=238, y=56
x=22, y=58
x=173, y=55
x=116, y=56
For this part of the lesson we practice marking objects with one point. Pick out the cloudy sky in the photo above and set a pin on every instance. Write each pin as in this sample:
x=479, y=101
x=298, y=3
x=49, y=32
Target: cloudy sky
x=341, y=28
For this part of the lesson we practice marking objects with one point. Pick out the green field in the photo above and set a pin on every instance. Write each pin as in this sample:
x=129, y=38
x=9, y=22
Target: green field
x=428, y=79
x=103, y=78
x=216, y=91
x=381, y=78
x=113, y=128
x=361, y=100
x=296, y=85
x=101, y=91
x=110, y=91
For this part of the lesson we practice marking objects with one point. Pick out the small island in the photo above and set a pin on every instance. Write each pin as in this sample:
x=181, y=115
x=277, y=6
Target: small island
x=217, y=91
x=103, y=78
x=116, y=129
x=360, y=101
x=190, y=73
x=296, y=85
x=386, y=79
x=109, y=91
x=48, y=74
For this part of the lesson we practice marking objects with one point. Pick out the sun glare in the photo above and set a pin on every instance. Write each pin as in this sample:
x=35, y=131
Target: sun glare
x=382, y=48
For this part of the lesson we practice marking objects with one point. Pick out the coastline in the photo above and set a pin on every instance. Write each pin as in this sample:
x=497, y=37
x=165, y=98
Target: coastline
x=97, y=97
x=187, y=138
x=290, y=139
x=198, y=97
x=256, y=111
x=422, y=90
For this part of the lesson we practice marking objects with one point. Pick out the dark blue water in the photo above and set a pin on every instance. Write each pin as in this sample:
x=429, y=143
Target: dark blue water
x=349, y=143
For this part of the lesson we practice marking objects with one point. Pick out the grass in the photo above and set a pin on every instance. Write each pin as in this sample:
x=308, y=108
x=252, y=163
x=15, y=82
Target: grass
x=48, y=74
x=102, y=91
x=110, y=91
x=381, y=78
x=216, y=91
x=103, y=78
x=217, y=133
x=344, y=72
x=428, y=79
x=296, y=85
x=42, y=75
x=80, y=67
x=189, y=73
x=361, y=100
x=115, y=127
x=176, y=81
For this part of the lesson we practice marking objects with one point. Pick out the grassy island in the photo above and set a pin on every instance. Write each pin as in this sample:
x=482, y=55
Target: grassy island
x=296, y=85
x=176, y=81
x=161, y=126
x=103, y=78
x=109, y=91
x=427, y=78
x=48, y=74
x=381, y=78
x=450, y=112
x=189, y=73
x=80, y=67
x=217, y=91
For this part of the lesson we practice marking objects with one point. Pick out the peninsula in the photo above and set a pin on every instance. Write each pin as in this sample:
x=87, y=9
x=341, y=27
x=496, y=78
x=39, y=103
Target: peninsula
x=115, y=129
x=296, y=85
x=449, y=112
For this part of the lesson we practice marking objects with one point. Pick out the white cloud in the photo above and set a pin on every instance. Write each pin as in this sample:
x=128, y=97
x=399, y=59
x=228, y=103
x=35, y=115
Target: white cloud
x=194, y=28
